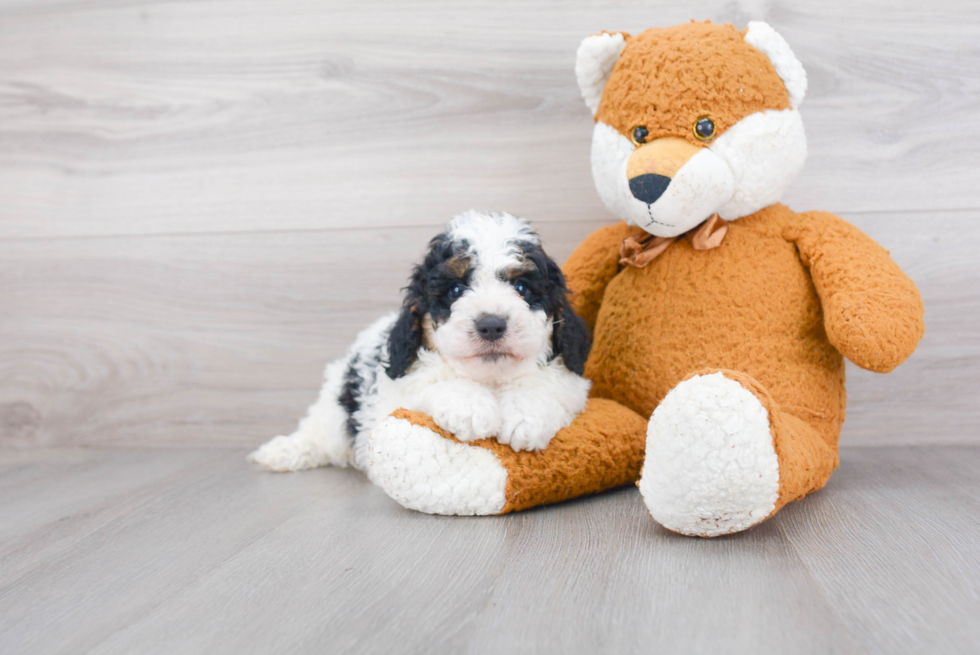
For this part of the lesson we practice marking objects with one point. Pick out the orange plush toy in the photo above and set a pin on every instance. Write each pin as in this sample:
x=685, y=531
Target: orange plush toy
x=721, y=318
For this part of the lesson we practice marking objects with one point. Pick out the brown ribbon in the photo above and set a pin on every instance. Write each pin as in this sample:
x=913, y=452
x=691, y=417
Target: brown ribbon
x=640, y=248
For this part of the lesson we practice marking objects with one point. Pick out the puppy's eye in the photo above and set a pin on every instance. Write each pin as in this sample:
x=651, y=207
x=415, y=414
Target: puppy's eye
x=704, y=129
x=456, y=290
x=522, y=289
x=640, y=135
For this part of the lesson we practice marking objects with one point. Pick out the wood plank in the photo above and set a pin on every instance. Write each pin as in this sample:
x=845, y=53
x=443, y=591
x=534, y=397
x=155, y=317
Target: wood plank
x=894, y=547
x=221, y=339
x=218, y=557
x=614, y=581
x=52, y=501
x=155, y=543
x=162, y=117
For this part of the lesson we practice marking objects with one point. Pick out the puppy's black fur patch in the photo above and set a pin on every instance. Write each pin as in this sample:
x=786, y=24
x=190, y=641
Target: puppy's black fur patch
x=427, y=293
x=350, y=396
x=570, y=336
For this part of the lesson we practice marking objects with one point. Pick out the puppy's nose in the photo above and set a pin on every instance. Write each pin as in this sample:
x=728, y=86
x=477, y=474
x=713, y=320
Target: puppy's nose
x=649, y=187
x=490, y=327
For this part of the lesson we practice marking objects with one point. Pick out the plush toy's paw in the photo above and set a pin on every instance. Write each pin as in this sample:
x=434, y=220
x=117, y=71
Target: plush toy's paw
x=425, y=471
x=476, y=416
x=710, y=467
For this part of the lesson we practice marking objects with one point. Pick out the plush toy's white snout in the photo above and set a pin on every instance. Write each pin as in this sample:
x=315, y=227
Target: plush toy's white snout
x=666, y=186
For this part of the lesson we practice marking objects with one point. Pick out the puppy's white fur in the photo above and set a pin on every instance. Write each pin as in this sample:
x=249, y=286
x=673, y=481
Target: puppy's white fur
x=515, y=388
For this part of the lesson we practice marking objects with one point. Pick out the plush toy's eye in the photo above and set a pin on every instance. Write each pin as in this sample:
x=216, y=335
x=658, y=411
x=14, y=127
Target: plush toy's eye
x=640, y=134
x=704, y=129
x=456, y=290
x=522, y=289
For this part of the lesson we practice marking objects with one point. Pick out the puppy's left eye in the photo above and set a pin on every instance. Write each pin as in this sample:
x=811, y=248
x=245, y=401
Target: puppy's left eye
x=456, y=290
x=522, y=289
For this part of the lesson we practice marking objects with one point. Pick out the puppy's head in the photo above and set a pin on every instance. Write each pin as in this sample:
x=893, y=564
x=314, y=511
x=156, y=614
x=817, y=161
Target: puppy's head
x=490, y=301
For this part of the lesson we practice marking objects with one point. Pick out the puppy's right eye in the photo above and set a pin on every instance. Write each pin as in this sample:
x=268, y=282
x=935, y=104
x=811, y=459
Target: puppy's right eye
x=456, y=290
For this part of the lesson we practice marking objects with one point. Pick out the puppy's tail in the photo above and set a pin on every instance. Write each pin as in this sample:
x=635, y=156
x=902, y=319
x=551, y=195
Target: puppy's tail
x=322, y=437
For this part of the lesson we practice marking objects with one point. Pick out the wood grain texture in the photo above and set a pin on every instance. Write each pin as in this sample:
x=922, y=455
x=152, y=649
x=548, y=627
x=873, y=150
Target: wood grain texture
x=154, y=117
x=221, y=339
x=202, y=203
x=191, y=551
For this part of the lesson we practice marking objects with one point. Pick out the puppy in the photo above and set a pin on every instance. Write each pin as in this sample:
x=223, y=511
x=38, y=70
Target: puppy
x=485, y=343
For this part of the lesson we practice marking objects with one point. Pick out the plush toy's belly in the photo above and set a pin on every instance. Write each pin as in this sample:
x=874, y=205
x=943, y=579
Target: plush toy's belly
x=748, y=305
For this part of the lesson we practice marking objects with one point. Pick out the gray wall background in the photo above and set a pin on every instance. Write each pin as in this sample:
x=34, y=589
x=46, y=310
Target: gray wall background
x=201, y=203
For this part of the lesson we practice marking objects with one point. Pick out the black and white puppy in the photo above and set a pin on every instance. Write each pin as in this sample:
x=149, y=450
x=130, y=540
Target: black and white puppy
x=485, y=343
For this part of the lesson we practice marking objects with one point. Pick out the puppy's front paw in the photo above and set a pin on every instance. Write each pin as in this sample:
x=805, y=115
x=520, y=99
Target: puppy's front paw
x=529, y=423
x=476, y=417
x=525, y=432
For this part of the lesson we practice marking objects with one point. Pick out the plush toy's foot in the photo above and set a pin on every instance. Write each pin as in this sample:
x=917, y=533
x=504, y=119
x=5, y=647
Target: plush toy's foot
x=426, y=469
x=423, y=469
x=721, y=456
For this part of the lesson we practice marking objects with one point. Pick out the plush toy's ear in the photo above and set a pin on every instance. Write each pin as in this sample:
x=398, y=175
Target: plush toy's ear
x=570, y=335
x=764, y=38
x=594, y=62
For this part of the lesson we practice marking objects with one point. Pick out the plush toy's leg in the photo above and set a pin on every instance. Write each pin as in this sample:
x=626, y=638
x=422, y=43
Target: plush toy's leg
x=721, y=456
x=424, y=468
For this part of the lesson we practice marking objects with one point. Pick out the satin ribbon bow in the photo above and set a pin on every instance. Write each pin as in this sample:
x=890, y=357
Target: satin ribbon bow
x=641, y=248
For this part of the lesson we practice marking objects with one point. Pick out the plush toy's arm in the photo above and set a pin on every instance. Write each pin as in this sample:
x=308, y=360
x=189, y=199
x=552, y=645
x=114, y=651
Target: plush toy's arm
x=872, y=311
x=591, y=267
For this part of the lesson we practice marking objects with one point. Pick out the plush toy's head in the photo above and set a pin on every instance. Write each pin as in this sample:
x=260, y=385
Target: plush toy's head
x=692, y=120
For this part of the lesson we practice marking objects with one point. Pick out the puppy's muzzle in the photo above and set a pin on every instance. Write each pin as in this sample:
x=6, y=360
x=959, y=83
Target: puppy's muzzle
x=491, y=328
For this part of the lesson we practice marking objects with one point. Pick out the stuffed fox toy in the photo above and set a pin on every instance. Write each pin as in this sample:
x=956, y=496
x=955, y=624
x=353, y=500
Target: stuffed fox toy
x=721, y=318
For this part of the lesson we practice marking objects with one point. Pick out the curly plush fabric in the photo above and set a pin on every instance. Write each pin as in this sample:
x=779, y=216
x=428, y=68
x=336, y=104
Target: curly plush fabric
x=873, y=312
x=601, y=449
x=774, y=306
x=666, y=79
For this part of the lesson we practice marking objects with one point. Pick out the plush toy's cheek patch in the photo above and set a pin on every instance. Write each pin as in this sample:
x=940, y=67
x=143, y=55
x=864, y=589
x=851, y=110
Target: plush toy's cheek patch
x=764, y=151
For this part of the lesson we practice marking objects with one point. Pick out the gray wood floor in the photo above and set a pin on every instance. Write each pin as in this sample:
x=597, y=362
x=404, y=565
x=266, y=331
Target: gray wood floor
x=191, y=551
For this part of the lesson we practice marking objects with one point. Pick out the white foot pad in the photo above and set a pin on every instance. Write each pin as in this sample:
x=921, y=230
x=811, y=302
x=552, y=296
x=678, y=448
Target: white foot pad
x=710, y=467
x=423, y=471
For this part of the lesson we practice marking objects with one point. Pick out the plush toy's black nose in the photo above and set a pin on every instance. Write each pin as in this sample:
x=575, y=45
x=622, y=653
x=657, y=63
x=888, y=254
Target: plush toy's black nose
x=491, y=328
x=648, y=187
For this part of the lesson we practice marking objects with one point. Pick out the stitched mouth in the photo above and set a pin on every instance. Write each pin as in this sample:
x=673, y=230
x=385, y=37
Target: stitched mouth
x=653, y=220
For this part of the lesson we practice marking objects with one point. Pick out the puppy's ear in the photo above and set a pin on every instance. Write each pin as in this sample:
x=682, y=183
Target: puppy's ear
x=570, y=336
x=404, y=342
x=572, y=340
x=406, y=335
